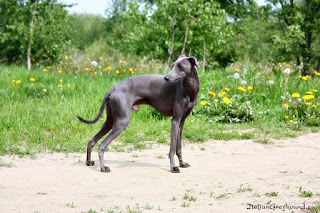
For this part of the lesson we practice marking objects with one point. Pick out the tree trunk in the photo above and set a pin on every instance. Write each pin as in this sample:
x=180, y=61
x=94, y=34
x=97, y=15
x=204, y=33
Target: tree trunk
x=185, y=40
x=31, y=36
x=318, y=66
x=170, y=50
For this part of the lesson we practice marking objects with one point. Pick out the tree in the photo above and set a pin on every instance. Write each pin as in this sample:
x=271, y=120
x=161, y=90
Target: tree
x=299, y=36
x=37, y=29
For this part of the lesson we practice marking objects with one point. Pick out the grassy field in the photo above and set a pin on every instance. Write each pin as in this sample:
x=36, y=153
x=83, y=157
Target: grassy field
x=245, y=101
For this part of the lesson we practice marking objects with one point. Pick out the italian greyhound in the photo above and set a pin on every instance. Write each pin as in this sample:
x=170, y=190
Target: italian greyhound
x=173, y=95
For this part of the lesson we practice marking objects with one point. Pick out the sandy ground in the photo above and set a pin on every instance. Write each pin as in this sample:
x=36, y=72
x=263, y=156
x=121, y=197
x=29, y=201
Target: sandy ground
x=226, y=176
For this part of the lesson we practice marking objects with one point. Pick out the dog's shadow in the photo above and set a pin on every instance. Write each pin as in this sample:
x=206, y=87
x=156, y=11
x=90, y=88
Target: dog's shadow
x=120, y=164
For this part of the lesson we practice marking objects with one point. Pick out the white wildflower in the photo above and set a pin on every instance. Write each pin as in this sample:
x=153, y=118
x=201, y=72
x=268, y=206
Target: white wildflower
x=270, y=82
x=44, y=90
x=243, y=82
x=287, y=71
x=94, y=63
x=236, y=75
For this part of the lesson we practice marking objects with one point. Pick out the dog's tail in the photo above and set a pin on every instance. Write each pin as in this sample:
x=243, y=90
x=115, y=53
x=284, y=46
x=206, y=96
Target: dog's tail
x=99, y=115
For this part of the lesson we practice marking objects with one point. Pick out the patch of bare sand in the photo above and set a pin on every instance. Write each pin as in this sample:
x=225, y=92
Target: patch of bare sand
x=226, y=176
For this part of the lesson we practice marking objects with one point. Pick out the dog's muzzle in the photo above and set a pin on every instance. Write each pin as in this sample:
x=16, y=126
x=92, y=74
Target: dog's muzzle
x=166, y=78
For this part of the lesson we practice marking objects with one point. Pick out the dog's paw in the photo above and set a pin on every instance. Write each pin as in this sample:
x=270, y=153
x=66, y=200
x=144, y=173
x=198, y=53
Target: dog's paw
x=90, y=163
x=175, y=170
x=184, y=165
x=105, y=169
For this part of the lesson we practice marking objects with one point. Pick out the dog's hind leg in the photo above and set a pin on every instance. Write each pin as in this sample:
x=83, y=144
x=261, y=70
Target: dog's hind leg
x=106, y=127
x=121, y=119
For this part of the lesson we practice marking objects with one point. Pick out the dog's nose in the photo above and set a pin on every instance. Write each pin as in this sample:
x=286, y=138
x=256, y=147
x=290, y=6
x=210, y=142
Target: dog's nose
x=166, y=78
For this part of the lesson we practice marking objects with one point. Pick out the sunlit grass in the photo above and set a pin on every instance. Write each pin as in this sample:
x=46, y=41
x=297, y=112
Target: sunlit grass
x=38, y=107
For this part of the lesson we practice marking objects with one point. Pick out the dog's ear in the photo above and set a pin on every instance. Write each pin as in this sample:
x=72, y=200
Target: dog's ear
x=193, y=61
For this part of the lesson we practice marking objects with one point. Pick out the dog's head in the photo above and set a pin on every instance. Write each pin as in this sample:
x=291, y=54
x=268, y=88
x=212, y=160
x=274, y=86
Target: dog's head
x=182, y=67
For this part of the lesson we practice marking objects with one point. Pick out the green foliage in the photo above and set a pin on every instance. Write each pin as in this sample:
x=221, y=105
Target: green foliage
x=86, y=29
x=49, y=36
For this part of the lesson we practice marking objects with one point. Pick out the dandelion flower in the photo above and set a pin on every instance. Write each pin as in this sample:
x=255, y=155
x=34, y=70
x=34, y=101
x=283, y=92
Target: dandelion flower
x=314, y=90
x=314, y=106
x=87, y=69
x=69, y=85
x=285, y=105
x=227, y=89
x=308, y=103
x=291, y=121
x=45, y=70
x=304, y=78
x=309, y=93
x=295, y=95
x=66, y=57
x=308, y=97
x=250, y=88
x=60, y=71
x=226, y=100
x=18, y=81
x=60, y=85
x=236, y=75
x=203, y=103
x=242, y=89
x=286, y=117
x=212, y=93
x=117, y=71
x=94, y=63
x=32, y=79
x=60, y=80
x=237, y=70
x=287, y=71
x=222, y=94
x=100, y=58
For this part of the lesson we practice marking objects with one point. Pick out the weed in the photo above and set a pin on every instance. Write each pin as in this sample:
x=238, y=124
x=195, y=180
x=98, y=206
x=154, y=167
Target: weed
x=243, y=188
x=185, y=205
x=303, y=193
x=272, y=194
x=189, y=198
x=71, y=205
x=5, y=164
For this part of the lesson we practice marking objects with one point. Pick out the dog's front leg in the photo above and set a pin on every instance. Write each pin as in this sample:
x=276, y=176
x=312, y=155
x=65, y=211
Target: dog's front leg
x=173, y=146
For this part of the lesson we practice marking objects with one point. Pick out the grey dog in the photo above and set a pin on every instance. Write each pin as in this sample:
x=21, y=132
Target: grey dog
x=173, y=95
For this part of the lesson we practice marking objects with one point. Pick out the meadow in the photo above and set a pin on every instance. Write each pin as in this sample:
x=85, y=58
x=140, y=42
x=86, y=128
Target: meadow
x=243, y=101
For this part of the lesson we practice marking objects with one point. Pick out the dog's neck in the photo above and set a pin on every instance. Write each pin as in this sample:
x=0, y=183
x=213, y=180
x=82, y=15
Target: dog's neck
x=192, y=84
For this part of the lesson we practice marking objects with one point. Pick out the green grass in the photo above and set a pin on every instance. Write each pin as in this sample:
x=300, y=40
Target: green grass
x=39, y=115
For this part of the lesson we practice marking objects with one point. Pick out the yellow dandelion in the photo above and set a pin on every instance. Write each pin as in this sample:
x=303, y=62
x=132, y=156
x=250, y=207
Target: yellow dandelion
x=13, y=81
x=100, y=58
x=131, y=70
x=314, y=90
x=308, y=97
x=60, y=85
x=203, y=103
x=87, y=69
x=286, y=117
x=60, y=71
x=250, y=88
x=226, y=100
x=95, y=73
x=285, y=105
x=212, y=93
x=309, y=93
x=314, y=106
x=49, y=68
x=222, y=94
x=125, y=62
x=69, y=85
x=237, y=70
x=242, y=89
x=117, y=71
x=308, y=103
x=295, y=95
x=227, y=89
x=291, y=121
x=32, y=79
x=105, y=59
x=304, y=78
x=18, y=81
x=66, y=57
x=45, y=70
x=312, y=117
x=60, y=80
